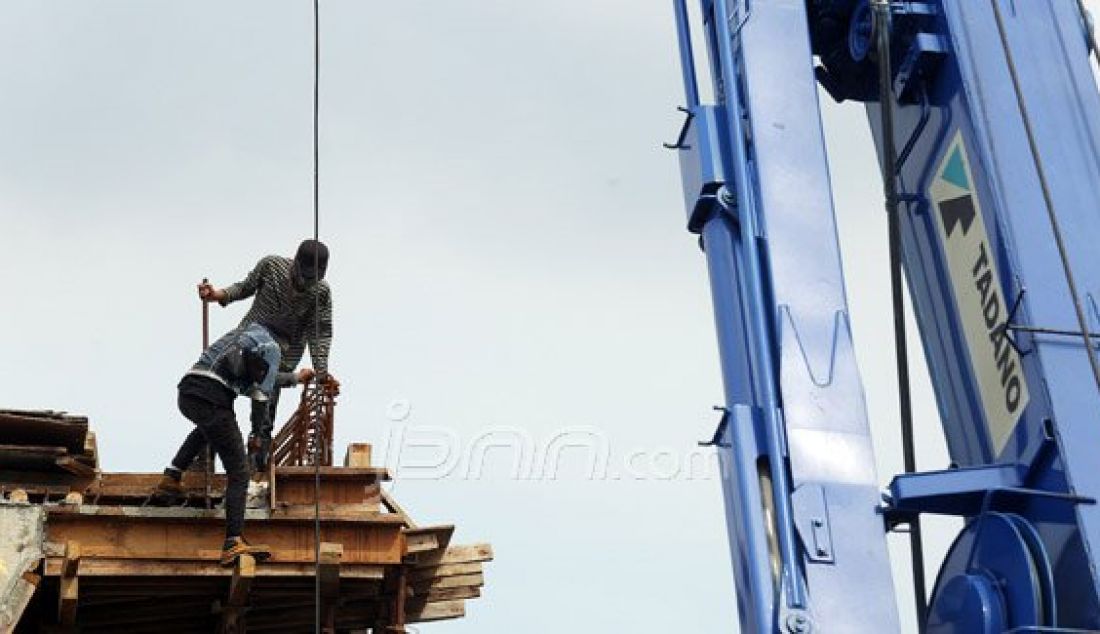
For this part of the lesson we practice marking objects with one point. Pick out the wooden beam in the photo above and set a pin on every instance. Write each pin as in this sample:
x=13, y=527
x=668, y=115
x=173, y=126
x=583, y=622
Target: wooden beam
x=339, y=485
x=438, y=611
x=329, y=569
x=40, y=428
x=449, y=582
x=28, y=460
x=290, y=485
x=75, y=467
x=378, y=473
x=328, y=572
x=232, y=621
x=243, y=574
x=391, y=616
x=445, y=570
x=196, y=535
x=91, y=448
x=443, y=533
x=44, y=450
x=70, y=565
x=393, y=507
x=422, y=541
x=39, y=489
x=419, y=542
x=347, y=512
x=445, y=594
x=135, y=488
x=464, y=554
x=69, y=593
x=399, y=601
x=358, y=455
x=139, y=569
x=330, y=515
x=457, y=555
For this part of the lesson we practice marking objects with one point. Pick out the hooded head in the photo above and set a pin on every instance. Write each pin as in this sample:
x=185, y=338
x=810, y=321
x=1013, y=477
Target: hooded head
x=256, y=366
x=310, y=262
x=261, y=355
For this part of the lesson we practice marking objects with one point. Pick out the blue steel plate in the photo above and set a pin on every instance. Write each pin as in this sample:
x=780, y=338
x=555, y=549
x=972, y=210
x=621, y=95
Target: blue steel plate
x=990, y=580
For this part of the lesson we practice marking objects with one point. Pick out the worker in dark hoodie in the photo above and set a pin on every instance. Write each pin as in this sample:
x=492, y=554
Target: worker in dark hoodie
x=290, y=291
x=244, y=362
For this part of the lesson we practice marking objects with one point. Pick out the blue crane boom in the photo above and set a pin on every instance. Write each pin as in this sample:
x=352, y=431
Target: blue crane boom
x=986, y=116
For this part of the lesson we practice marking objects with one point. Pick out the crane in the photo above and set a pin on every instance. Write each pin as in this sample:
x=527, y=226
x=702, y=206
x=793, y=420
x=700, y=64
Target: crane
x=986, y=121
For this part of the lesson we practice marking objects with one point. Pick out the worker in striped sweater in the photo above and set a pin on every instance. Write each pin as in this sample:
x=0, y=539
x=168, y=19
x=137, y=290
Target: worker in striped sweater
x=289, y=291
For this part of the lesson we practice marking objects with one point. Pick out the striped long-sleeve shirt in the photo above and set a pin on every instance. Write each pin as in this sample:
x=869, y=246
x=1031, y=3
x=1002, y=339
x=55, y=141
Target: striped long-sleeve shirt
x=278, y=301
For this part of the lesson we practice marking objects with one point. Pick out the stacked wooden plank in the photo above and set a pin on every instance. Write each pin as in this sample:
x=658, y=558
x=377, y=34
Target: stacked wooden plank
x=440, y=582
x=440, y=577
x=46, y=448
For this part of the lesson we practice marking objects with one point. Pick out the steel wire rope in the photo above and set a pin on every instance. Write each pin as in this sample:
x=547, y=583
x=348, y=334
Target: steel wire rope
x=317, y=378
x=1048, y=198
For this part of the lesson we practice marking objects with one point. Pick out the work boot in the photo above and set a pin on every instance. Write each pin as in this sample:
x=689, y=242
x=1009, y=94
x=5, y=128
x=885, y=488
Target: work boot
x=236, y=546
x=169, y=487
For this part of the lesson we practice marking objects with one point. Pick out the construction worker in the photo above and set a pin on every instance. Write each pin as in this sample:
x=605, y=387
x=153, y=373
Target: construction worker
x=244, y=362
x=292, y=291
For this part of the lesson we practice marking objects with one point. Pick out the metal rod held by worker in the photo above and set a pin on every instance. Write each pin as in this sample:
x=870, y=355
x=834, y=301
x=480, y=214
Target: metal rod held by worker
x=208, y=470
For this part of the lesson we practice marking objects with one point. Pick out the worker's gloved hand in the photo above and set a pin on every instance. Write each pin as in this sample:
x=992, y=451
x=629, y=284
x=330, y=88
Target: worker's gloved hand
x=208, y=293
x=259, y=450
x=305, y=375
x=331, y=383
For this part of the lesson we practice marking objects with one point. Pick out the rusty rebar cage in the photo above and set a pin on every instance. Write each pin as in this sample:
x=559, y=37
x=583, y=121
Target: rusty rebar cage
x=309, y=431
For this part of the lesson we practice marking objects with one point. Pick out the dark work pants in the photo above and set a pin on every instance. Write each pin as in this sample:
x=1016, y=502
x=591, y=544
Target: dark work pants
x=215, y=423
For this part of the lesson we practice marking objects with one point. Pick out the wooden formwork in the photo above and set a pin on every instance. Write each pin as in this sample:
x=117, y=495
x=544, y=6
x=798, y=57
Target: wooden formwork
x=114, y=562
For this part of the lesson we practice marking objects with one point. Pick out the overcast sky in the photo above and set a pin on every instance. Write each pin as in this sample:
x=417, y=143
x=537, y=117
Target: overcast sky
x=509, y=261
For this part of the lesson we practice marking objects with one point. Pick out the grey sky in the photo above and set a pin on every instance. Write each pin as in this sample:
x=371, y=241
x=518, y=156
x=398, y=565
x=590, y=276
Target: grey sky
x=508, y=252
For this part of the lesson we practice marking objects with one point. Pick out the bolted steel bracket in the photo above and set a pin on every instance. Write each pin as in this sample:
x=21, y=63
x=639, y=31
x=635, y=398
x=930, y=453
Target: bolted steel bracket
x=812, y=519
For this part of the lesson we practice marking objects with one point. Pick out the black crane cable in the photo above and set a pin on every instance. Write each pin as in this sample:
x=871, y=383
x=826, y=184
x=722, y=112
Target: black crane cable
x=1087, y=23
x=317, y=432
x=1048, y=198
x=889, y=182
